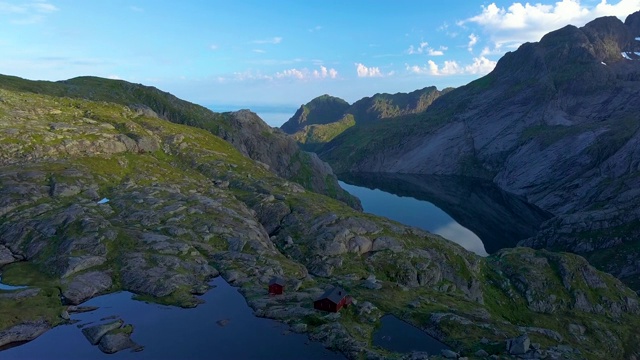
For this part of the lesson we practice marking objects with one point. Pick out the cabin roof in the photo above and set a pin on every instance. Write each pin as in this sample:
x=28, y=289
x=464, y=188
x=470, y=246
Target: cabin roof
x=277, y=281
x=334, y=294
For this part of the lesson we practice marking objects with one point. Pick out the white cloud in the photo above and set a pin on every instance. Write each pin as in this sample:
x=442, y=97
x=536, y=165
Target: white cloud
x=419, y=49
x=315, y=28
x=479, y=66
x=473, y=40
x=293, y=73
x=259, y=51
x=213, y=47
x=273, y=40
x=520, y=23
x=306, y=74
x=114, y=77
x=364, y=71
x=136, y=9
x=27, y=12
x=423, y=48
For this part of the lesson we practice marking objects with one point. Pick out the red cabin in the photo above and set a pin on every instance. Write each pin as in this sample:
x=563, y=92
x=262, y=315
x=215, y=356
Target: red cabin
x=276, y=286
x=332, y=300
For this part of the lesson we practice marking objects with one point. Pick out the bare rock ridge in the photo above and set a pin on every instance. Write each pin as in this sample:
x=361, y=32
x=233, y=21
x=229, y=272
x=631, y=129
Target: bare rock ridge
x=555, y=122
x=184, y=206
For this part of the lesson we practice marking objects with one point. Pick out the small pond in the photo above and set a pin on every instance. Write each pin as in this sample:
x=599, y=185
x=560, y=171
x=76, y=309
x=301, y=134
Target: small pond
x=400, y=336
x=174, y=333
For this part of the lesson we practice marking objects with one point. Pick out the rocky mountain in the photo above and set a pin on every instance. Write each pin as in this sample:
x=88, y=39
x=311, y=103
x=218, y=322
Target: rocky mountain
x=556, y=121
x=243, y=129
x=97, y=197
x=325, y=117
x=322, y=110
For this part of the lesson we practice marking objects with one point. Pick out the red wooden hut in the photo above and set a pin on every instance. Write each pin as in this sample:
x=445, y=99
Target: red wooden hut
x=332, y=300
x=276, y=286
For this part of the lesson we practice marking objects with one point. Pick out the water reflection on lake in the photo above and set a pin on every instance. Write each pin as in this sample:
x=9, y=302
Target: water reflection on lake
x=174, y=333
x=472, y=212
x=418, y=213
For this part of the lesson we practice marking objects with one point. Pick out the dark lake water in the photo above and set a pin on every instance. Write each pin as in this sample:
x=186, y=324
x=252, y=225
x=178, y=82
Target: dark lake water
x=474, y=213
x=399, y=336
x=174, y=333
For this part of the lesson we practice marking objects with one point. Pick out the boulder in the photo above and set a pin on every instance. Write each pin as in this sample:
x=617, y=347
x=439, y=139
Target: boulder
x=26, y=331
x=448, y=354
x=95, y=333
x=386, y=243
x=86, y=286
x=6, y=257
x=481, y=353
x=115, y=341
x=360, y=245
x=519, y=345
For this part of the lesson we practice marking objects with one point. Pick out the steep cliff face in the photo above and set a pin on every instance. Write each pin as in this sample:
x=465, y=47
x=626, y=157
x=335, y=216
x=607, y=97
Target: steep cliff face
x=243, y=129
x=556, y=121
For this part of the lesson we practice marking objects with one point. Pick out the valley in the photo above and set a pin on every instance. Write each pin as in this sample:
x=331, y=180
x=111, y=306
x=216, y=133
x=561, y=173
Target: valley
x=110, y=189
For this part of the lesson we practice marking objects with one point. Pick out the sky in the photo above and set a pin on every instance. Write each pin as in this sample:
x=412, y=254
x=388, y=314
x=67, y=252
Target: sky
x=277, y=55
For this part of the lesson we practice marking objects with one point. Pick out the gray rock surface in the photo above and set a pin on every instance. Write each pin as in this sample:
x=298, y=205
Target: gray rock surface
x=26, y=331
x=96, y=332
x=519, y=345
x=86, y=286
x=111, y=343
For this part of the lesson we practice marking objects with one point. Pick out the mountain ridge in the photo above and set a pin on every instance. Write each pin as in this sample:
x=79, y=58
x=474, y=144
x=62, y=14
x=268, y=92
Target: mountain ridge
x=555, y=122
x=325, y=122
x=243, y=129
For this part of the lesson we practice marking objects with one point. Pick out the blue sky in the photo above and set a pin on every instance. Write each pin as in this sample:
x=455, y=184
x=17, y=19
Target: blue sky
x=277, y=54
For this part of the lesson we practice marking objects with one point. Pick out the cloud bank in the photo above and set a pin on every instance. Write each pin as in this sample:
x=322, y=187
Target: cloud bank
x=518, y=23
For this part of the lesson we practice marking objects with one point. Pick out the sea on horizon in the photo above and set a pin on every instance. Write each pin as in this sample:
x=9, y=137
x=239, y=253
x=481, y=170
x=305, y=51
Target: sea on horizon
x=273, y=115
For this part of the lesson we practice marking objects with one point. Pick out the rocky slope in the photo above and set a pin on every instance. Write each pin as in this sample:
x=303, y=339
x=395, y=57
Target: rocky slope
x=243, y=129
x=556, y=122
x=185, y=206
x=325, y=117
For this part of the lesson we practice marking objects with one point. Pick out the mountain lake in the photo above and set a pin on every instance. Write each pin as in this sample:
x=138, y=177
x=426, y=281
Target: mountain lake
x=471, y=212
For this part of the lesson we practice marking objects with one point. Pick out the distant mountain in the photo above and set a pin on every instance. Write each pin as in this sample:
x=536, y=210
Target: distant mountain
x=325, y=117
x=321, y=110
x=555, y=121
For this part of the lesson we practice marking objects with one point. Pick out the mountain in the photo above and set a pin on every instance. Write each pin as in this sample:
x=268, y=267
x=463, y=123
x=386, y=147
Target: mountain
x=556, y=121
x=321, y=110
x=243, y=129
x=325, y=117
x=98, y=197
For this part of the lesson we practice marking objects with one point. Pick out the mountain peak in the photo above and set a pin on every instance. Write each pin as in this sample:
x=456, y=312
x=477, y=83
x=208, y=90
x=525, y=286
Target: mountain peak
x=321, y=110
x=633, y=22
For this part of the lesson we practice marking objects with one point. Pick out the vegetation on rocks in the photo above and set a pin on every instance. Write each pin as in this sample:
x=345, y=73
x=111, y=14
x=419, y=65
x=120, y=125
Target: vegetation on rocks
x=185, y=206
